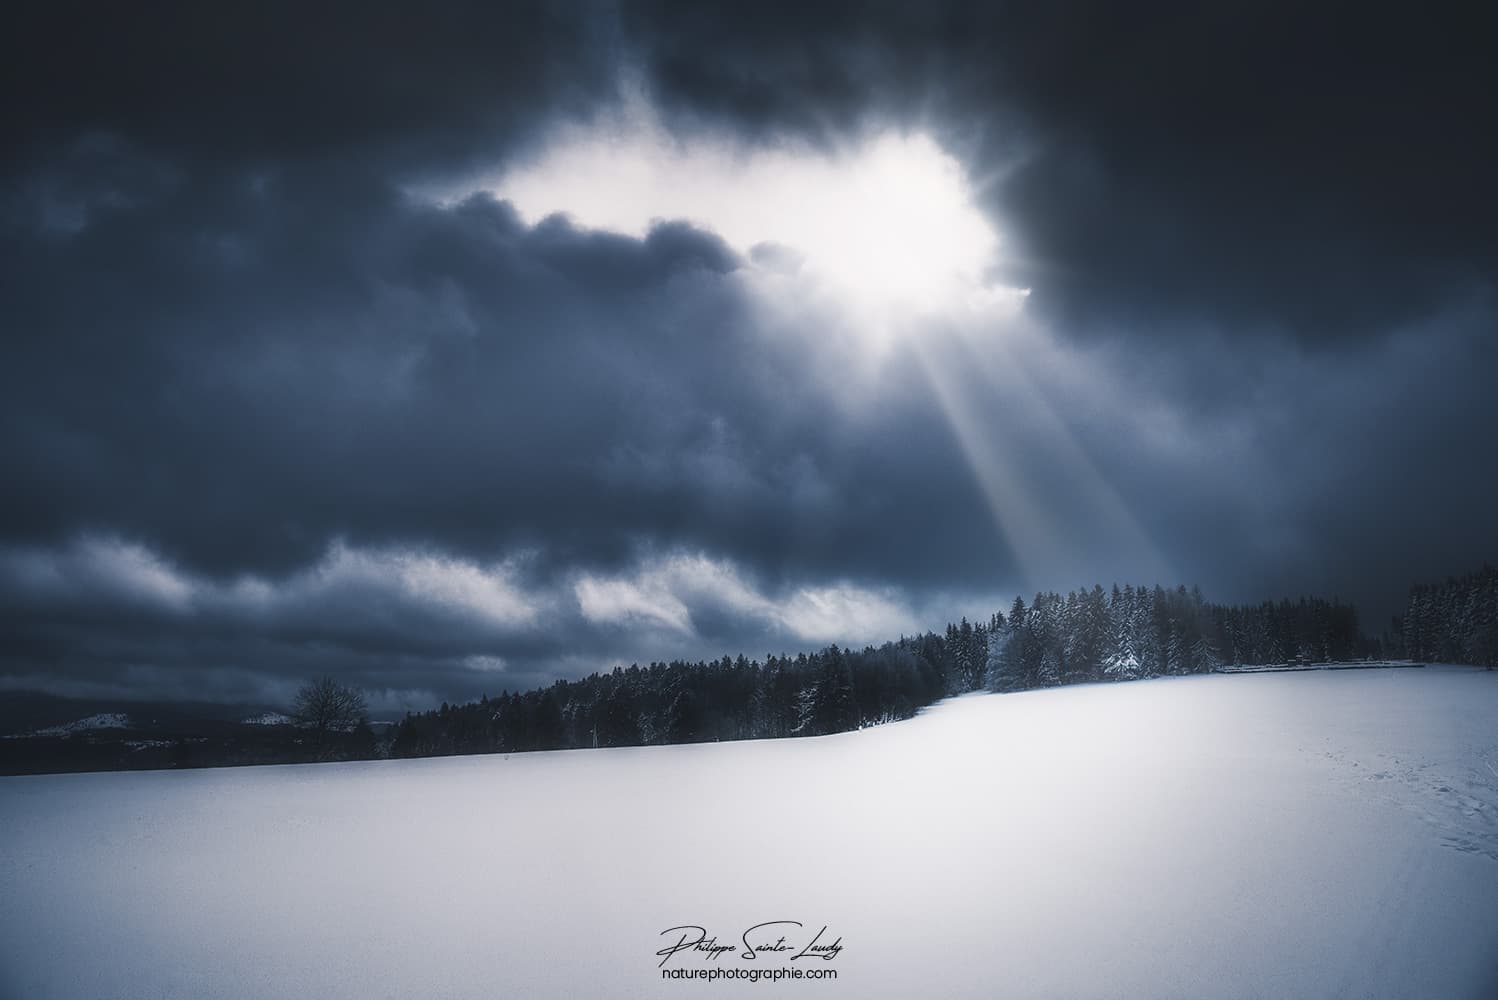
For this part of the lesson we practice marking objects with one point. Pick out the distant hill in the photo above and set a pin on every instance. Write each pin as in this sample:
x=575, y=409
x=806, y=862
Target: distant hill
x=41, y=733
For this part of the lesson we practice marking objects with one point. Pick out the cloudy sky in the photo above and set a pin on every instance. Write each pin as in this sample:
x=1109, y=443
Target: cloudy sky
x=448, y=349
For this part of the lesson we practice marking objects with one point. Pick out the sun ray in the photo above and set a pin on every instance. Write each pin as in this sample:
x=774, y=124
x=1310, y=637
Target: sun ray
x=1049, y=548
x=887, y=230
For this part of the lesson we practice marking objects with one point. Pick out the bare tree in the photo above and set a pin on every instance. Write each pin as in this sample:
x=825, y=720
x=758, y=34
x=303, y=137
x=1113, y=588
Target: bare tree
x=328, y=708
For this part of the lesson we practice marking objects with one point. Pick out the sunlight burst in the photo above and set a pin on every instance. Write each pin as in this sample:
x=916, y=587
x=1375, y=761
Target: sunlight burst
x=889, y=225
x=894, y=225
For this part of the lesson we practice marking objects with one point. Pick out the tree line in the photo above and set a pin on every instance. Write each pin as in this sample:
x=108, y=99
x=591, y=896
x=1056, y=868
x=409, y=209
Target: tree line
x=1452, y=622
x=1088, y=636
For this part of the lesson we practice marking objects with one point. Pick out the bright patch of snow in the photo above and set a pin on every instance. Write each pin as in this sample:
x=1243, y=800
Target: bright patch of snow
x=268, y=719
x=1313, y=834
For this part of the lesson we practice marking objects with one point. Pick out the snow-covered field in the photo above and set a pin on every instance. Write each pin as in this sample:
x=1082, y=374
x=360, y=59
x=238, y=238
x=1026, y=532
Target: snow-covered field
x=1321, y=834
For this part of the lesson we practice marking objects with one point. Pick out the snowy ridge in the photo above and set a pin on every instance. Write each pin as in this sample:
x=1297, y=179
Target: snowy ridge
x=1280, y=668
x=104, y=720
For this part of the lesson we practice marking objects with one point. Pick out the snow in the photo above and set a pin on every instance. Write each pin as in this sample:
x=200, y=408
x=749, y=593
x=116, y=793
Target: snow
x=1309, y=834
x=268, y=719
x=106, y=720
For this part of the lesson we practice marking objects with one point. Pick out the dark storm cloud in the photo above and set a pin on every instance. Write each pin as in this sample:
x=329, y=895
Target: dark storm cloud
x=1321, y=170
x=216, y=378
x=268, y=413
x=266, y=82
x=259, y=364
x=1341, y=471
x=236, y=368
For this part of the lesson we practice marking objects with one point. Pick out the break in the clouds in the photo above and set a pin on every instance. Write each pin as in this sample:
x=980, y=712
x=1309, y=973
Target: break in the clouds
x=459, y=350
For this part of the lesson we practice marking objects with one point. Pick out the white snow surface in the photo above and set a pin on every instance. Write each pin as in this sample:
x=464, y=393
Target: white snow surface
x=1320, y=834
